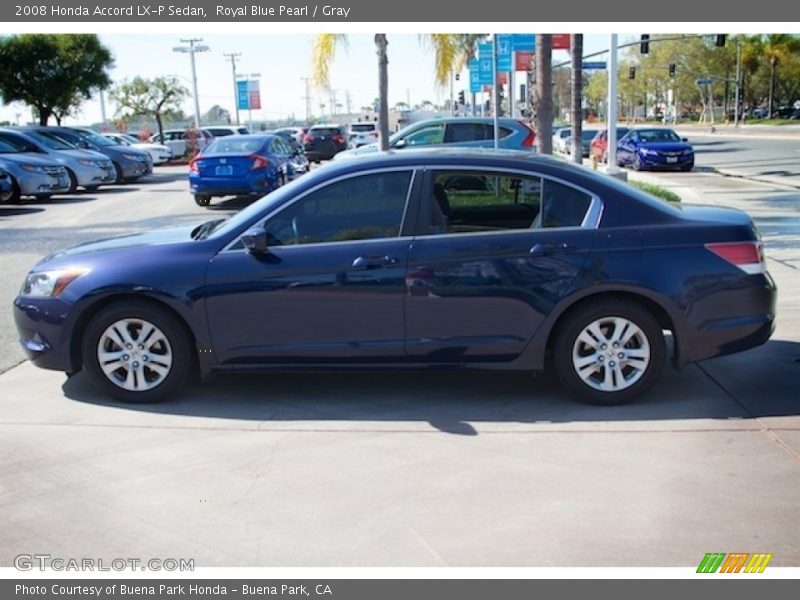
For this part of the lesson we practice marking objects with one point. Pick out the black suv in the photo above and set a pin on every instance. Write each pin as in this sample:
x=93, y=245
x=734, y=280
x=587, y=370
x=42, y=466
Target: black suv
x=323, y=142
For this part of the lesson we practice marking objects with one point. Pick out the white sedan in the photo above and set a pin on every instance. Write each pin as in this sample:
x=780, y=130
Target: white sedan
x=158, y=152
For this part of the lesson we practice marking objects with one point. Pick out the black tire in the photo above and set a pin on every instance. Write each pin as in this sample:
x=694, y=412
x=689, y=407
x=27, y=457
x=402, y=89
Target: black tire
x=14, y=194
x=687, y=167
x=92, y=188
x=631, y=377
x=177, y=346
x=202, y=199
x=120, y=178
x=73, y=182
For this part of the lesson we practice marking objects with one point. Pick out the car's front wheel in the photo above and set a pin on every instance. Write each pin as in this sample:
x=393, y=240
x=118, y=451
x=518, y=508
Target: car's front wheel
x=202, y=199
x=609, y=352
x=12, y=196
x=136, y=352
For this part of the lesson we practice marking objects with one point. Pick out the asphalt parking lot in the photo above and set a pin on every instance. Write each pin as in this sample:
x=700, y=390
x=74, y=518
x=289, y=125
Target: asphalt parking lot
x=387, y=469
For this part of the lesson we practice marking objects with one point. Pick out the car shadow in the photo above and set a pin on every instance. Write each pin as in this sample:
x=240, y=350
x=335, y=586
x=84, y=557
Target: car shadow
x=234, y=203
x=71, y=199
x=10, y=211
x=452, y=401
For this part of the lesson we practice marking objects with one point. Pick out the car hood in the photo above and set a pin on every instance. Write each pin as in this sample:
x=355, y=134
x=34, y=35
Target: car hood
x=81, y=154
x=29, y=158
x=168, y=235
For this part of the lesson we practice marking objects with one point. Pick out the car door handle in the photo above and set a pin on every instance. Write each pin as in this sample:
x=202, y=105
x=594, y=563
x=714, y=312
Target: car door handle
x=544, y=248
x=373, y=262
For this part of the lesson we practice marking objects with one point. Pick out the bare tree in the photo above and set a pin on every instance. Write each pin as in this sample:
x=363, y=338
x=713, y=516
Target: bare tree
x=576, y=45
x=544, y=94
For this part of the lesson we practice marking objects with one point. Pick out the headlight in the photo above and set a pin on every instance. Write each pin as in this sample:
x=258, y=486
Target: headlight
x=648, y=152
x=689, y=151
x=133, y=157
x=33, y=168
x=89, y=163
x=50, y=283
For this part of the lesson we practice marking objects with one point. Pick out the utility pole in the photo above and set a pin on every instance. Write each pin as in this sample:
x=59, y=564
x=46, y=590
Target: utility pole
x=307, y=98
x=736, y=98
x=496, y=96
x=348, y=101
x=191, y=49
x=234, y=57
x=613, y=169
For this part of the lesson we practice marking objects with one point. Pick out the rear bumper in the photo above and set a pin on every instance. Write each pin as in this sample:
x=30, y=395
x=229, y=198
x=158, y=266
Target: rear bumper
x=736, y=320
x=216, y=186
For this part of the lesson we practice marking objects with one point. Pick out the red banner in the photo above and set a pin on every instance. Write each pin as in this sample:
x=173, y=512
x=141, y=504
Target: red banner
x=523, y=61
x=561, y=41
x=254, y=93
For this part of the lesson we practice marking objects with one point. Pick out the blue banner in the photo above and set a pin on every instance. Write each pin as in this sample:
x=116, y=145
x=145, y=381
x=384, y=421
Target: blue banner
x=242, y=94
x=474, y=67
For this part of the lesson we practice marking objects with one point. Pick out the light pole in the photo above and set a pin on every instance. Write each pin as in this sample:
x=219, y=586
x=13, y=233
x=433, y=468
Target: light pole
x=191, y=49
x=611, y=118
x=233, y=57
x=307, y=98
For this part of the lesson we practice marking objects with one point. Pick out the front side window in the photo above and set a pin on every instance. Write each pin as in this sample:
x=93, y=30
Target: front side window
x=432, y=134
x=474, y=202
x=359, y=208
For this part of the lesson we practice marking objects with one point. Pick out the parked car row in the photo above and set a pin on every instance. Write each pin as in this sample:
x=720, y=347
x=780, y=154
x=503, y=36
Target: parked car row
x=41, y=161
x=639, y=148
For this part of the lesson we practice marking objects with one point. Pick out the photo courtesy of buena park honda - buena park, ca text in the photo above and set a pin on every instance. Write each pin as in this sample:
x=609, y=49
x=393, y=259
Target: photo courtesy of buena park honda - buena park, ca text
x=398, y=300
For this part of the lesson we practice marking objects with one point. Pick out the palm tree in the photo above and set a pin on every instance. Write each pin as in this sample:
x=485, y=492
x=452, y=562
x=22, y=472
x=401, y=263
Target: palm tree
x=778, y=47
x=544, y=94
x=322, y=56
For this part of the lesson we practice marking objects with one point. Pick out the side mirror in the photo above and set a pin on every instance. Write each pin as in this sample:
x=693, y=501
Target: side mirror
x=399, y=144
x=684, y=139
x=255, y=240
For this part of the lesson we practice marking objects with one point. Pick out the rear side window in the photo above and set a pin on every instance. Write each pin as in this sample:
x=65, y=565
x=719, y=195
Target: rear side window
x=467, y=132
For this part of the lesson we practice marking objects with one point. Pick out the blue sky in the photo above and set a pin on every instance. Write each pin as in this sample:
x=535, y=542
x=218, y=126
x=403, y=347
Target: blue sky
x=282, y=60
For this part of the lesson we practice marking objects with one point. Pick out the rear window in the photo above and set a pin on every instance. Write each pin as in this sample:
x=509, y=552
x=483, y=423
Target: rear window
x=220, y=132
x=362, y=127
x=233, y=145
x=325, y=131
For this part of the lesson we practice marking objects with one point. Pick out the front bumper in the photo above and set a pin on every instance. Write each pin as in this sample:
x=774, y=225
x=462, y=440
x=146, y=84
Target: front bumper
x=44, y=330
x=665, y=162
x=90, y=176
x=136, y=168
x=35, y=184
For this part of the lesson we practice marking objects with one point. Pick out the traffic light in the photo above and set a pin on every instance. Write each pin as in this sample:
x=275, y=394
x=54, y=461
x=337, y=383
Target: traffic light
x=644, y=47
x=672, y=70
x=461, y=100
x=632, y=73
x=458, y=76
x=720, y=40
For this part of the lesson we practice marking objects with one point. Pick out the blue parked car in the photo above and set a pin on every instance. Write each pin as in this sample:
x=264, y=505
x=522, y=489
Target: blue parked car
x=241, y=165
x=29, y=174
x=465, y=132
x=655, y=148
x=411, y=260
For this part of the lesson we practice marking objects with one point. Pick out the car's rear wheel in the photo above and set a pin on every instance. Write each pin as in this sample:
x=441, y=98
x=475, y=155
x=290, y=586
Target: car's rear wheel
x=136, y=352
x=609, y=352
x=202, y=199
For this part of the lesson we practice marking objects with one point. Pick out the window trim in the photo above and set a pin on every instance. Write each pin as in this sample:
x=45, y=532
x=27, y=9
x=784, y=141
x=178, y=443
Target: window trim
x=412, y=188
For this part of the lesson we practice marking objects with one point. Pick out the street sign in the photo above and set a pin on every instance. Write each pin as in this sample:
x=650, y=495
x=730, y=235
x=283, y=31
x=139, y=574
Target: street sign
x=242, y=97
x=588, y=66
x=704, y=81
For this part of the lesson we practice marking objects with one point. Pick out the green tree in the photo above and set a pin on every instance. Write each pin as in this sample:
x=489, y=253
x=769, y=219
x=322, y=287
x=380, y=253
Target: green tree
x=53, y=72
x=779, y=48
x=159, y=97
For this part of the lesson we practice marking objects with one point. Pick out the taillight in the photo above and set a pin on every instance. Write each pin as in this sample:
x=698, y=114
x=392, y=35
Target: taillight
x=748, y=256
x=259, y=162
x=339, y=139
x=528, y=141
x=193, y=166
x=308, y=138
x=375, y=134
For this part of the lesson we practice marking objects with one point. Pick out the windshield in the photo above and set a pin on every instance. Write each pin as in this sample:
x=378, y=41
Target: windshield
x=7, y=147
x=131, y=139
x=658, y=135
x=96, y=139
x=48, y=140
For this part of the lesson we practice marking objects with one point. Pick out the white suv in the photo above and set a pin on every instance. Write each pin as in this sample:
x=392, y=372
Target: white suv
x=362, y=134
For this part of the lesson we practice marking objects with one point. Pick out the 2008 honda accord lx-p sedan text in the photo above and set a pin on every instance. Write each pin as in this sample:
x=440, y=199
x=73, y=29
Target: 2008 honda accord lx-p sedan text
x=420, y=259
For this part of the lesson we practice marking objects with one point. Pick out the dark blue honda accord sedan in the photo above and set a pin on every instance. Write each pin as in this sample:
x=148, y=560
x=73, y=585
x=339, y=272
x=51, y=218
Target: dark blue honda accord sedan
x=419, y=259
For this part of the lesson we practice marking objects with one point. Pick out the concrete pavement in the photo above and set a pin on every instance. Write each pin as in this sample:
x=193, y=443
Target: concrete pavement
x=423, y=469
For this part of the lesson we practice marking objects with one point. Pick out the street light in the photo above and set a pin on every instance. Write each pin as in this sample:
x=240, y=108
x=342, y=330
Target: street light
x=192, y=49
